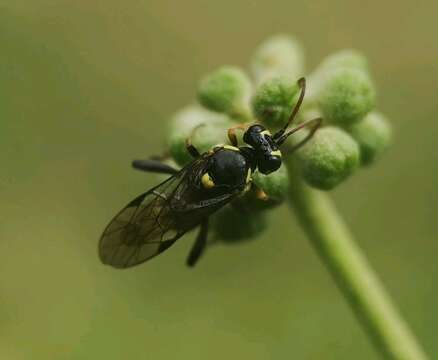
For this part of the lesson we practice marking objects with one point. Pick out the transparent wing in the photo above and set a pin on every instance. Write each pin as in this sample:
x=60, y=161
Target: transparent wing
x=153, y=221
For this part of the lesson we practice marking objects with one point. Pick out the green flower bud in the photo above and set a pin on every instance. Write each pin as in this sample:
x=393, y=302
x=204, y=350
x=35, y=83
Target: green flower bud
x=267, y=191
x=349, y=58
x=307, y=113
x=330, y=157
x=227, y=90
x=275, y=185
x=373, y=135
x=206, y=128
x=346, y=96
x=274, y=100
x=279, y=55
x=232, y=225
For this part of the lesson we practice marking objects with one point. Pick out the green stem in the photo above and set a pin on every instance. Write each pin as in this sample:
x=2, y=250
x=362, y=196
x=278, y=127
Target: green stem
x=352, y=272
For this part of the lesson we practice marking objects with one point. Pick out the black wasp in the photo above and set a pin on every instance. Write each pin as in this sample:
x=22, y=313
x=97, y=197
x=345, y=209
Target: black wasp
x=153, y=221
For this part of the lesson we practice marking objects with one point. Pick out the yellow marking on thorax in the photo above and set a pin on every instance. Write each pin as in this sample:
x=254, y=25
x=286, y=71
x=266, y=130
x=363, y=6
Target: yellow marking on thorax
x=207, y=181
x=248, y=176
x=276, y=153
x=230, y=147
x=248, y=181
x=266, y=132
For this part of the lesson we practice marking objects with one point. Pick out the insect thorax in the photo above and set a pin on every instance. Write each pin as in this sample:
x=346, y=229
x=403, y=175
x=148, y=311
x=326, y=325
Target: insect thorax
x=228, y=167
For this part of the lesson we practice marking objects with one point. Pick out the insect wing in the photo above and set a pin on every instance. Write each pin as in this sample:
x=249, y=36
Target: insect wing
x=153, y=221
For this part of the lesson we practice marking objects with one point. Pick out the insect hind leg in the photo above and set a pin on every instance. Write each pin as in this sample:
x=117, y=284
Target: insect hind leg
x=199, y=245
x=152, y=165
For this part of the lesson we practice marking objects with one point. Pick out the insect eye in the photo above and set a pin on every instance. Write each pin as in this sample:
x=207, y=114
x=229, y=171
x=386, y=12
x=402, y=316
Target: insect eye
x=256, y=128
x=269, y=164
x=252, y=135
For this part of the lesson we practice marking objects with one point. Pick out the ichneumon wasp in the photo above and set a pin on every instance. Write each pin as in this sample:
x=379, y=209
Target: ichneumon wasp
x=153, y=221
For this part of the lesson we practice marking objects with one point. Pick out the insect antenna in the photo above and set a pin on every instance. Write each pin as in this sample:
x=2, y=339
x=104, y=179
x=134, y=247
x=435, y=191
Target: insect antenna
x=314, y=124
x=302, y=85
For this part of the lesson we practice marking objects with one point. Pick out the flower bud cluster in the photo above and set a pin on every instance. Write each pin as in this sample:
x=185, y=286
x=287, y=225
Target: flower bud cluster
x=340, y=90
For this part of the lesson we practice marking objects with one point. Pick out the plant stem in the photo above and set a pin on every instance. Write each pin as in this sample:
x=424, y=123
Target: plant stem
x=352, y=272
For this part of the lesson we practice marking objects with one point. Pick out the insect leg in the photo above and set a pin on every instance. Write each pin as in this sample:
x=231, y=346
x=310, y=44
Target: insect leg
x=152, y=165
x=192, y=149
x=261, y=195
x=232, y=134
x=199, y=245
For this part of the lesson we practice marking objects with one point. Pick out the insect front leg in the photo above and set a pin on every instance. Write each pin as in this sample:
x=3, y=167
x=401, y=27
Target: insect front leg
x=193, y=151
x=232, y=133
x=191, y=148
x=153, y=165
x=199, y=245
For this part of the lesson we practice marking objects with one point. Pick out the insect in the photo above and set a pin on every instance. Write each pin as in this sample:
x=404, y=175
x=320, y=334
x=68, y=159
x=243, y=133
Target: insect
x=153, y=221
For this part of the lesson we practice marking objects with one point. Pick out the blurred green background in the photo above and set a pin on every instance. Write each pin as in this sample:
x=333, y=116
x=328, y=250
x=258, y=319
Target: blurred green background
x=86, y=86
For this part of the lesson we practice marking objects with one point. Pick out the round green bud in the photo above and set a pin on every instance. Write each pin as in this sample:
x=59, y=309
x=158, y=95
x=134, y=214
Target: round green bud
x=204, y=127
x=330, y=157
x=346, y=96
x=230, y=224
x=373, y=134
x=274, y=100
x=227, y=90
x=267, y=191
x=349, y=58
x=275, y=185
x=279, y=55
x=307, y=113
